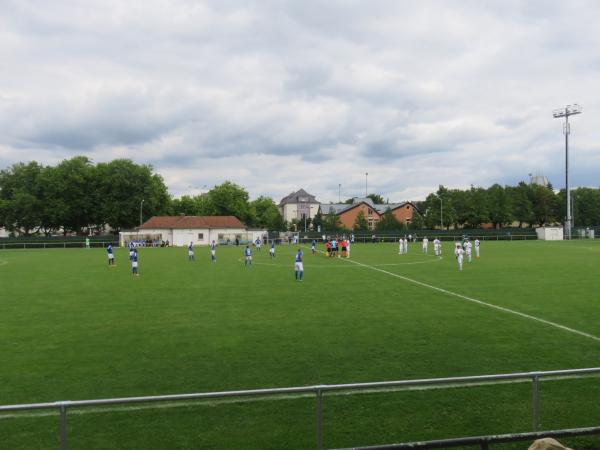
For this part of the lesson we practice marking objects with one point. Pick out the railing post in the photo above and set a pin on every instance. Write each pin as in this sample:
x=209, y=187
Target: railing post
x=536, y=402
x=63, y=426
x=319, y=393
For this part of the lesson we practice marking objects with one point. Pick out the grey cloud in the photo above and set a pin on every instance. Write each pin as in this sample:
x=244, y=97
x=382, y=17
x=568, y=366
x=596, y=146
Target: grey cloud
x=284, y=86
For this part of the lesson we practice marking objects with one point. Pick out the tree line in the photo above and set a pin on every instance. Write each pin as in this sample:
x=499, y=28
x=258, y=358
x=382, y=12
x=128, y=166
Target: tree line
x=77, y=196
x=525, y=204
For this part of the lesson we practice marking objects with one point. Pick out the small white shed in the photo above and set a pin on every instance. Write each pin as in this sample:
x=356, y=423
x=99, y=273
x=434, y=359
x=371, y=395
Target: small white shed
x=550, y=233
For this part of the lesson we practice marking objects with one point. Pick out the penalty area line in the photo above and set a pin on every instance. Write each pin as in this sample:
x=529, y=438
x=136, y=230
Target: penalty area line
x=479, y=302
x=476, y=301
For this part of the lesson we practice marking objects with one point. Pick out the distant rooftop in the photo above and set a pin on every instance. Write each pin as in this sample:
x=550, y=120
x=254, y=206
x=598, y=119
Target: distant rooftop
x=338, y=208
x=300, y=196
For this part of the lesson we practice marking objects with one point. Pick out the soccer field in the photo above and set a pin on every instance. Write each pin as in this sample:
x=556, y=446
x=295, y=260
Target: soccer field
x=73, y=328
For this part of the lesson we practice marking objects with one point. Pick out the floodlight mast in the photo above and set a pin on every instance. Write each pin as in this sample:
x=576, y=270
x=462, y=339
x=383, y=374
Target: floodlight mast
x=569, y=110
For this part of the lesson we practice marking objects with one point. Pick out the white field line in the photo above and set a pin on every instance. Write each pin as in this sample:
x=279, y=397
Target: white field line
x=83, y=410
x=480, y=302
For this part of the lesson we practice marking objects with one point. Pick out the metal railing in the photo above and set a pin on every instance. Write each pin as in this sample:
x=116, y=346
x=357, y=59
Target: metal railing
x=483, y=441
x=62, y=244
x=318, y=391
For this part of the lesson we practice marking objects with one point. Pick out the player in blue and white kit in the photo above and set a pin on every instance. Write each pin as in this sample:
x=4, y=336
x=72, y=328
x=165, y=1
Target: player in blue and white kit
x=272, y=249
x=111, y=256
x=247, y=256
x=298, y=266
x=257, y=243
x=313, y=246
x=131, y=251
x=134, y=263
x=213, y=252
x=191, y=256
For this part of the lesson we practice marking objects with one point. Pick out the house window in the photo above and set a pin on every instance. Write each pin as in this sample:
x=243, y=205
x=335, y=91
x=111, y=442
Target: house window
x=200, y=236
x=370, y=212
x=407, y=207
x=221, y=236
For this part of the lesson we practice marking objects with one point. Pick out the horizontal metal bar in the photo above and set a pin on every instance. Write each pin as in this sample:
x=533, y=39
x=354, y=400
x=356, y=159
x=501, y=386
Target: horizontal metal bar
x=478, y=440
x=302, y=389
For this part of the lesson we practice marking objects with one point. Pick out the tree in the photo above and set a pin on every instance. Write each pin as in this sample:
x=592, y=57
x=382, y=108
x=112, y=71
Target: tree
x=318, y=220
x=75, y=183
x=543, y=200
x=266, y=214
x=433, y=208
x=229, y=199
x=332, y=222
x=376, y=198
x=360, y=223
x=388, y=222
x=20, y=194
x=121, y=187
x=499, y=206
x=197, y=205
x=522, y=208
x=417, y=222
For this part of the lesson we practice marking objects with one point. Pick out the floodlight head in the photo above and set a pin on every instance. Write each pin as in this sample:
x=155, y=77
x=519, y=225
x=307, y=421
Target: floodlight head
x=569, y=110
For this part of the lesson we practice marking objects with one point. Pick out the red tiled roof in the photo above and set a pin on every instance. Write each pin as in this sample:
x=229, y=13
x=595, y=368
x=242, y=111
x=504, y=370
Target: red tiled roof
x=193, y=222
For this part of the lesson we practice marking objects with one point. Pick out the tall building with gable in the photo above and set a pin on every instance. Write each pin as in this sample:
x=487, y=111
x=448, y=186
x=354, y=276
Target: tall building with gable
x=298, y=205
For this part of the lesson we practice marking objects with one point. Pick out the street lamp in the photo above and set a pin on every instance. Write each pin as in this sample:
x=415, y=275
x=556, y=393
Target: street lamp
x=141, y=209
x=569, y=110
x=366, y=183
x=441, y=212
x=340, y=193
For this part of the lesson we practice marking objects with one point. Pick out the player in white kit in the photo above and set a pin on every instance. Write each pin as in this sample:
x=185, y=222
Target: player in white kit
x=459, y=252
x=477, y=248
x=425, y=245
x=405, y=245
x=436, y=247
x=468, y=250
x=401, y=246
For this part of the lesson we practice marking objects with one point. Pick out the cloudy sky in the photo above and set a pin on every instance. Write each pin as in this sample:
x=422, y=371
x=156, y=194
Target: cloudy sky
x=278, y=95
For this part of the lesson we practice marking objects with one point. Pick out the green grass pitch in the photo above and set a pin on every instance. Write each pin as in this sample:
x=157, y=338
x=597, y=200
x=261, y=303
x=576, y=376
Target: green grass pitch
x=72, y=328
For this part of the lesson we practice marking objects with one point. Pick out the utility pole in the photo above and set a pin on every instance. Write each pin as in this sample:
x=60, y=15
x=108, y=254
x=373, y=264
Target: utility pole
x=569, y=110
x=141, y=209
x=441, y=212
x=366, y=183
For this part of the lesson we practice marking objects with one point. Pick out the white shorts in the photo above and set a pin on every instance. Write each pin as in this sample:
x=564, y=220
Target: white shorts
x=212, y=252
x=299, y=267
x=272, y=251
x=111, y=256
x=248, y=258
x=190, y=253
x=134, y=264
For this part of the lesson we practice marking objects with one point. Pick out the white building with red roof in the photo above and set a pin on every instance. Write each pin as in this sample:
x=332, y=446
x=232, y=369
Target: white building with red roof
x=181, y=230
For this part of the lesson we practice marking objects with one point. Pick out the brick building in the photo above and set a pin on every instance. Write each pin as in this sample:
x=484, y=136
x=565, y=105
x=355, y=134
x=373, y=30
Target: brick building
x=348, y=212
